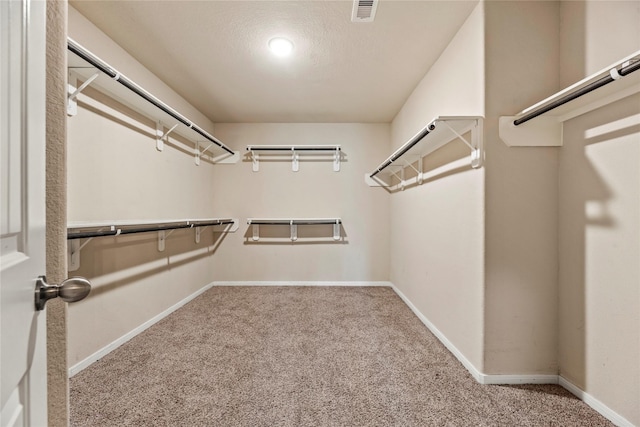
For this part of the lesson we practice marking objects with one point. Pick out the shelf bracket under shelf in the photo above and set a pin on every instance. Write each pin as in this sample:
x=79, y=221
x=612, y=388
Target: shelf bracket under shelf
x=224, y=158
x=73, y=91
x=295, y=164
x=295, y=155
x=73, y=252
x=161, y=135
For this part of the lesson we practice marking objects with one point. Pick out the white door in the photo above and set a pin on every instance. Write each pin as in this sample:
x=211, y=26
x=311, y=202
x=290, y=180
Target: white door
x=22, y=212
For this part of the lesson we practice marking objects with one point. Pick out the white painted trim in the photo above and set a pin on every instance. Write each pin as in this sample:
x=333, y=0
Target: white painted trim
x=597, y=405
x=295, y=283
x=126, y=337
x=594, y=403
x=452, y=348
x=518, y=379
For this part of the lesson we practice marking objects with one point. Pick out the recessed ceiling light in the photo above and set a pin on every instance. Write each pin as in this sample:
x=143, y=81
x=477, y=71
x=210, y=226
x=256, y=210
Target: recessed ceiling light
x=280, y=46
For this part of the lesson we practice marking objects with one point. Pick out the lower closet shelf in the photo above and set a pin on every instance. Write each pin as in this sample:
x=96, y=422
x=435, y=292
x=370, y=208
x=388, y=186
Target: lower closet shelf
x=293, y=224
x=89, y=230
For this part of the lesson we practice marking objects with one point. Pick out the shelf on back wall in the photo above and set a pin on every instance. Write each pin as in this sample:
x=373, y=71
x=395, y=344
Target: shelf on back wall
x=439, y=132
x=93, y=72
x=541, y=124
x=294, y=152
x=293, y=224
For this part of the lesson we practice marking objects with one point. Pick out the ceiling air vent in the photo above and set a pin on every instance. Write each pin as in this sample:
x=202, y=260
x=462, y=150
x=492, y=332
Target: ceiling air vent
x=364, y=10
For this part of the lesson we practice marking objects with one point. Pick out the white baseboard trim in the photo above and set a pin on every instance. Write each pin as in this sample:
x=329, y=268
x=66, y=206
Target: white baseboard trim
x=443, y=339
x=518, y=379
x=126, y=337
x=597, y=405
x=303, y=283
x=594, y=403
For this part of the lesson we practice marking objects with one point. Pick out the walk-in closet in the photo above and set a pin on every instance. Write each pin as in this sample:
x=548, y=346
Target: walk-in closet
x=321, y=213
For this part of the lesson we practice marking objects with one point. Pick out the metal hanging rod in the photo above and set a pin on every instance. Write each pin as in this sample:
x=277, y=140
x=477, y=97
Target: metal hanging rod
x=406, y=147
x=293, y=148
x=329, y=221
x=115, y=75
x=614, y=74
x=116, y=230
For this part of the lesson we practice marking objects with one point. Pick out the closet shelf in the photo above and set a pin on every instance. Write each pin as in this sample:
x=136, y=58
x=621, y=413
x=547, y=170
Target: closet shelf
x=90, y=230
x=295, y=151
x=293, y=224
x=541, y=124
x=93, y=71
x=439, y=132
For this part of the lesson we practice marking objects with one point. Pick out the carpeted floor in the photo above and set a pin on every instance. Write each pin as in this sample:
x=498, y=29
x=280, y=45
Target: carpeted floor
x=302, y=356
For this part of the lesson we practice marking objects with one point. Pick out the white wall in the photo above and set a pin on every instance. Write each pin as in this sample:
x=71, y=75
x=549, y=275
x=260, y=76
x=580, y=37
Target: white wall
x=115, y=173
x=437, y=232
x=315, y=191
x=599, y=324
x=521, y=43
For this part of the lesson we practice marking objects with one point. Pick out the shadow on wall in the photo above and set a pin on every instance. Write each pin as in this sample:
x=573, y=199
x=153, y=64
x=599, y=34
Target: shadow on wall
x=595, y=191
x=113, y=262
x=106, y=107
x=315, y=234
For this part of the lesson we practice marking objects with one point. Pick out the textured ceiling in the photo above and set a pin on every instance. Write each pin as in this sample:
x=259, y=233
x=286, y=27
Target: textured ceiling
x=214, y=53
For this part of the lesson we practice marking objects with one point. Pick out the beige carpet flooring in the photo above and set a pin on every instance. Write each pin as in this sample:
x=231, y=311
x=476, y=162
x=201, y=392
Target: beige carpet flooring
x=302, y=356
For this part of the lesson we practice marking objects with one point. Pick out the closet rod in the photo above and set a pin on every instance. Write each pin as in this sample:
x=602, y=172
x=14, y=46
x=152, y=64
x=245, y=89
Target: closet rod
x=115, y=231
x=408, y=146
x=294, y=222
x=293, y=148
x=618, y=73
x=115, y=75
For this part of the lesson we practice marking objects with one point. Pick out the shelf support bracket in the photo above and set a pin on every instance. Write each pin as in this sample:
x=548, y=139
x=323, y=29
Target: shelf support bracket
x=295, y=164
x=162, y=136
x=336, y=231
x=255, y=160
x=161, y=240
x=73, y=251
x=255, y=228
x=73, y=254
x=336, y=160
x=73, y=92
x=294, y=231
x=162, y=237
x=199, y=153
x=475, y=145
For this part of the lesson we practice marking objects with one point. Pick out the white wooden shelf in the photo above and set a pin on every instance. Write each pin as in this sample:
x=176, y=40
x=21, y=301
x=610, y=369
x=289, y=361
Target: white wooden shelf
x=545, y=128
x=84, y=66
x=439, y=132
x=293, y=224
x=293, y=152
x=88, y=230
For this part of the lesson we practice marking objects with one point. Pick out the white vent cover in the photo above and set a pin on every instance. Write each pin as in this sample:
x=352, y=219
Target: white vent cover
x=364, y=10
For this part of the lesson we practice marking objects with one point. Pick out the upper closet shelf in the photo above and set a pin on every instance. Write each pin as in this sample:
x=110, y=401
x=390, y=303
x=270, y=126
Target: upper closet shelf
x=295, y=151
x=439, y=132
x=90, y=69
x=541, y=124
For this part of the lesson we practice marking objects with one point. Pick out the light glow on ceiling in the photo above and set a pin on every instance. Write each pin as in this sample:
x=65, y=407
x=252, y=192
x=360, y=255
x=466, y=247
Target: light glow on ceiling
x=280, y=46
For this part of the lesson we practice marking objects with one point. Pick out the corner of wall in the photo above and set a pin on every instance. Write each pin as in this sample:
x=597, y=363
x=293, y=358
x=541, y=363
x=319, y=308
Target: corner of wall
x=521, y=268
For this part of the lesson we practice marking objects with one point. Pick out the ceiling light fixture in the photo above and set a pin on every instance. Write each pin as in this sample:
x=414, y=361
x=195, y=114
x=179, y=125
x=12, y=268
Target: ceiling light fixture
x=280, y=46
